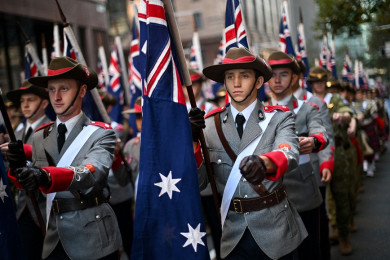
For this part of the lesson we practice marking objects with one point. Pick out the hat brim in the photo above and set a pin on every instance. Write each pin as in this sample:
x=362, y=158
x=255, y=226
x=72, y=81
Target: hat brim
x=217, y=72
x=15, y=95
x=79, y=72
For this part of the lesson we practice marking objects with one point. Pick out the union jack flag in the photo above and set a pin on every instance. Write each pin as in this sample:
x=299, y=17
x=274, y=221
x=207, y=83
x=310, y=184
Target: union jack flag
x=30, y=68
x=285, y=41
x=235, y=33
x=166, y=225
x=301, y=54
x=69, y=50
x=346, y=72
x=196, y=61
x=323, y=62
x=116, y=86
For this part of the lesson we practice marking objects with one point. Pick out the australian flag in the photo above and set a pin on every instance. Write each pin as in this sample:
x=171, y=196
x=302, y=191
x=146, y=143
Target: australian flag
x=10, y=241
x=347, y=74
x=285, y=42
x=30, y=68
x=302, y=53
x=324, y=53
x=69, y=50
x=168, y=220
x=235, y=33
x=116, y=86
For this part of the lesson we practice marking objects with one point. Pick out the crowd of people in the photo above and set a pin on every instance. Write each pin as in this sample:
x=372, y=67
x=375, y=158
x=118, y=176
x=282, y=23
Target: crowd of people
x=289, y=169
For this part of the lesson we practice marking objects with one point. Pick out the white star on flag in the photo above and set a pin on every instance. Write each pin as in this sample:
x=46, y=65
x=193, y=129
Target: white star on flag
x=3, y=193
x=167, y=185
x=194, y=236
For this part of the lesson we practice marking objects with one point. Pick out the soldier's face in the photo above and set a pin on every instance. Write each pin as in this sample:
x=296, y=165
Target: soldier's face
x=33, y=107
x=319, y=87
x=239, y=84
x=62, y=92
x=282, y=79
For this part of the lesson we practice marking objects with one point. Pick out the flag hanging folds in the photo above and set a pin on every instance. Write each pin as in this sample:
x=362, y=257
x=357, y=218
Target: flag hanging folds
x=30, y=67
x=285, y=41
x=10, y=242
x=100, y=74
x=331, y=65
x=69, y=50
x=196, y=61
x=302, y=53
x=323, y=62
x=362, y=76
x=235, y=33
x=116, y=86
x=347, y=74
x=168, y=220
x=55, y=48
x=218, y=60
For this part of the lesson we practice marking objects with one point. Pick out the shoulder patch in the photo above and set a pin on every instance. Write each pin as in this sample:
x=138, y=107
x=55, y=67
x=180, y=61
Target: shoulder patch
x=100, y=124
x=44, y=126
x=314, y=105
x=269, y=109
x=215, y=111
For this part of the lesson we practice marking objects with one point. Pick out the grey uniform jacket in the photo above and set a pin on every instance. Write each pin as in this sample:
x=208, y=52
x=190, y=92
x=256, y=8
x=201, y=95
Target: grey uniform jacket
x=93, y=232
x=325, y=157
x=23, y=201
x=301, y=185
x=278, y=229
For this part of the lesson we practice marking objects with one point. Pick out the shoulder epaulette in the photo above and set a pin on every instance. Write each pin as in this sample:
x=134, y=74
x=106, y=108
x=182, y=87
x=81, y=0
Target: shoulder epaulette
x=313, y=105
x=100, y=124
x=44, y=126
x=269, y=109
x=215, y=111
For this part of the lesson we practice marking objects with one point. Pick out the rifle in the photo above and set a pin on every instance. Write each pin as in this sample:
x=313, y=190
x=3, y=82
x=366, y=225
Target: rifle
x=13, y=139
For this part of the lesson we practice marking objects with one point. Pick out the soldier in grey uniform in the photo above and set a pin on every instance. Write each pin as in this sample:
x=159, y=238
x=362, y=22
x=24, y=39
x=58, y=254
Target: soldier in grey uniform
x=323, y=161
x=33, y=101
x=301, y=186
x=251, y=146
x=70, y=162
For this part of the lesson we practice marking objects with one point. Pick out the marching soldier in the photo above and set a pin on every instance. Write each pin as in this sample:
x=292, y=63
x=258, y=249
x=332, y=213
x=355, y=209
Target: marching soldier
x=301, y=186
x=251, y=147
x=340, y=115
x=33, y=101
x=70, y=162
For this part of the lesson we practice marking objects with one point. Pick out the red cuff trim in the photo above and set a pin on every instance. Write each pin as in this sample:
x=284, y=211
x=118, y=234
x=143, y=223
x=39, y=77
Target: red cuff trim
x=27, y=151
x=320, y=138
x=61, y=178
x=198, y=156
x=280, y=159
x=117, y=163
x=14, y=180
x=327, y=165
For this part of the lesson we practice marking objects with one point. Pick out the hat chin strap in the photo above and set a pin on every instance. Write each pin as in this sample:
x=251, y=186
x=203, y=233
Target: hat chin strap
x=250, y=93
x=36, y=110
x=71, y=104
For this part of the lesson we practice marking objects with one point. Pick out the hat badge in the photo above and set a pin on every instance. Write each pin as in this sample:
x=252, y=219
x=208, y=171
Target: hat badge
x=87, y=74
x=261, y=115
x=225, y=118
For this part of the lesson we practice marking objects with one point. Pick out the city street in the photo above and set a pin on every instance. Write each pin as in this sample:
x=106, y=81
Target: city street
x=372, y=238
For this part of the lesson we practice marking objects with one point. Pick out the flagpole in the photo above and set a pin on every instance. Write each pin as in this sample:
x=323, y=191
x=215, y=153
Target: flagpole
x=188, y=83
x=12, y=137
x=94, y=92
x=44, y=53
x=103, y=59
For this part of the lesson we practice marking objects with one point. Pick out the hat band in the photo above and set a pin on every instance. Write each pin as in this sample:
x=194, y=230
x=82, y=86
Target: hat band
x=137, y=108
x=195, y=77
x=239, y=60
x=59, y=71
x=279, y=62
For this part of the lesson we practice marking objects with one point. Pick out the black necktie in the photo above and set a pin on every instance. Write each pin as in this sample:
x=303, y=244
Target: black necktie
x=61, y=136
x=240, y=120
x=27, y=135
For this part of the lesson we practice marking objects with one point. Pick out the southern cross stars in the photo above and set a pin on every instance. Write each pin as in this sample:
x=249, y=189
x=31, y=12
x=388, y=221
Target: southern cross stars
x=3, y=193
x=167, y=185
x=194, y=236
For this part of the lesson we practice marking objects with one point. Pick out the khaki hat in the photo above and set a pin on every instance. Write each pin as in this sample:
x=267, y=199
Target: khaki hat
x=137, y=109
x=317, y=73
x=238, y=58
x=67, y=68
x=279, y=59
x=26, y=88
x=195, y=75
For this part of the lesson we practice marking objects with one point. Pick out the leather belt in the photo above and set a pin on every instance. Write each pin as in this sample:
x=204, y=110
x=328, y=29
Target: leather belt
x=240, y=205
x=64, y=205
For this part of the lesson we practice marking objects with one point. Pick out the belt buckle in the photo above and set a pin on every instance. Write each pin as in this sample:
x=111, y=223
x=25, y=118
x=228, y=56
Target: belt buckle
x=236, y=209
x=55, y=208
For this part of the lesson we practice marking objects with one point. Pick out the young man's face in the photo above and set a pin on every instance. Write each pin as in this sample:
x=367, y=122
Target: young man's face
x=33, y=107
x=239, y=84
x=319, y=87
x=62, y=92
x=281, y=80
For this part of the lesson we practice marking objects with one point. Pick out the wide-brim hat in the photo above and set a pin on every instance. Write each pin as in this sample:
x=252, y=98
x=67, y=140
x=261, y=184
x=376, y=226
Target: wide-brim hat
x=238, y=58
x=279, y=59
x=302, y=66
x=137, y=109
x=317, y=73
x=67, y=68
x=195, y=75
x=26, y=88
